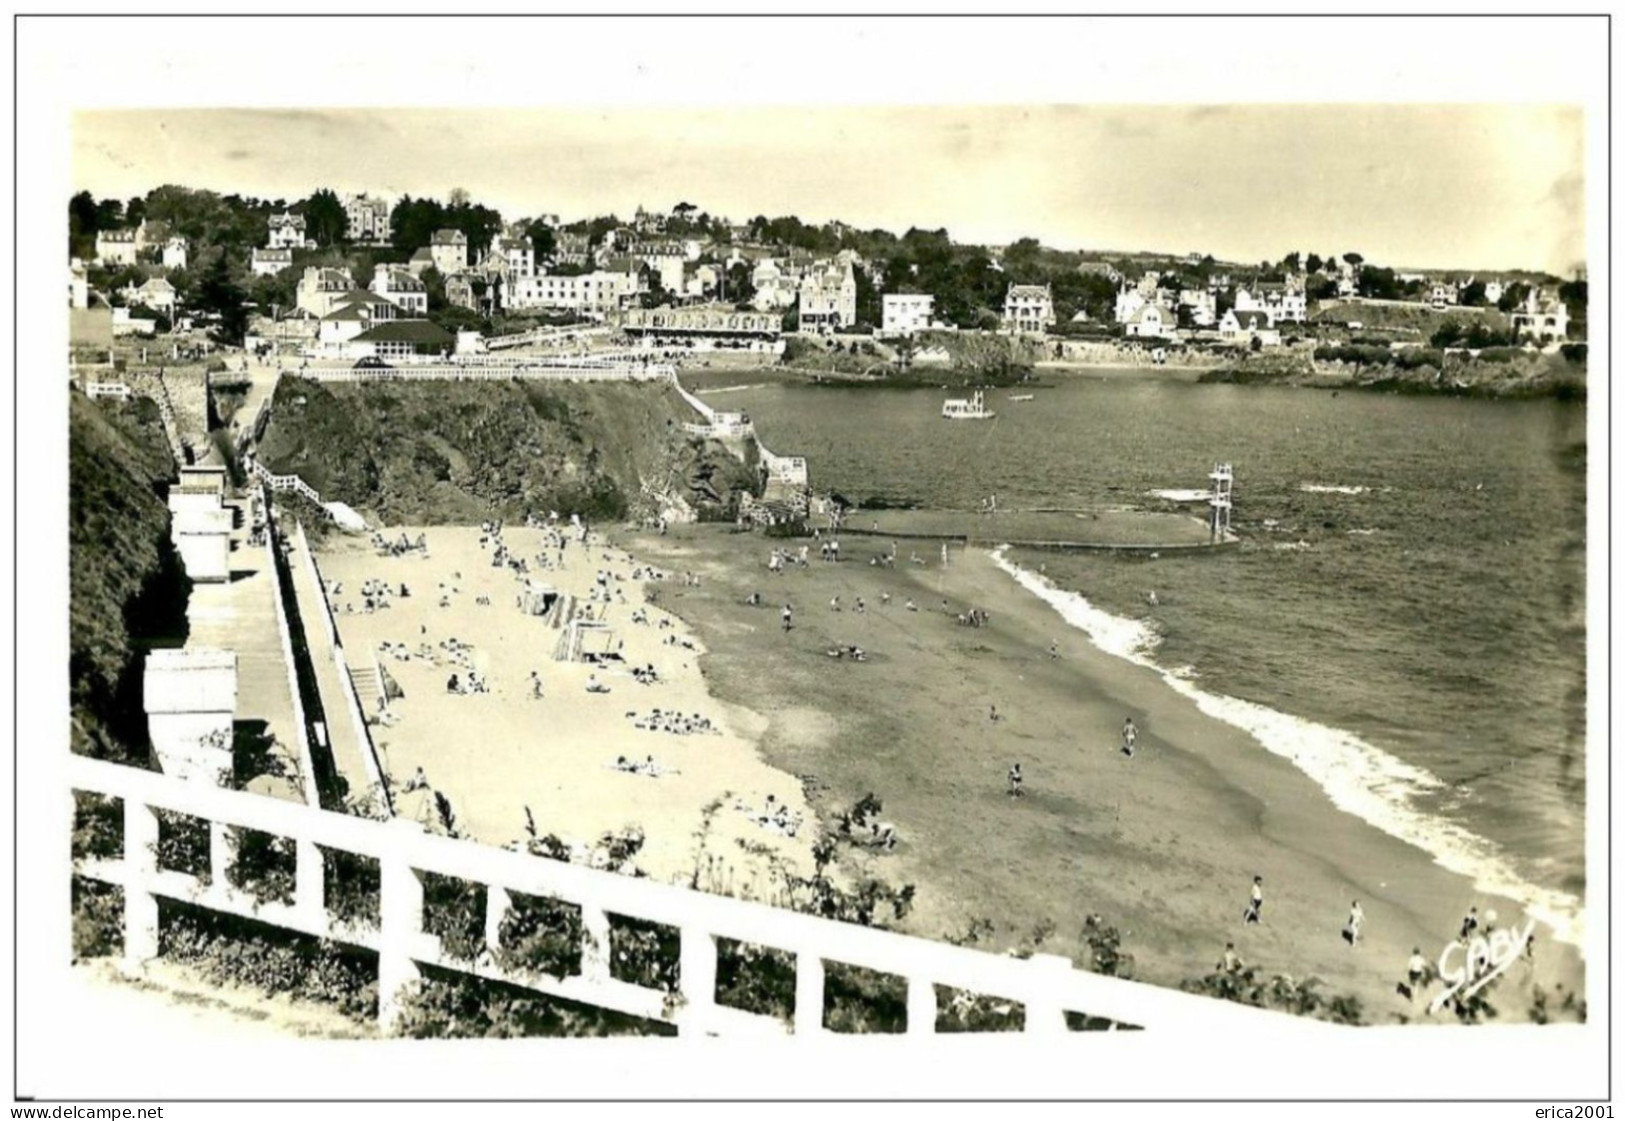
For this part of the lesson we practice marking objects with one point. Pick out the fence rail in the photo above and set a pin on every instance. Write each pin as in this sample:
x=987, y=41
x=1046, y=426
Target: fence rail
x=496, y=372
x=1046, y=986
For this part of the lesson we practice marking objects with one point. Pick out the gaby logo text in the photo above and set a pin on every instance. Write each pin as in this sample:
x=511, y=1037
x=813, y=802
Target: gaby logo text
x=1466, y=967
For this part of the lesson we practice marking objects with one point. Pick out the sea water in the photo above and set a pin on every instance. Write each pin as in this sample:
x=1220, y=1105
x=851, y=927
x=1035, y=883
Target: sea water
x=1403, y=620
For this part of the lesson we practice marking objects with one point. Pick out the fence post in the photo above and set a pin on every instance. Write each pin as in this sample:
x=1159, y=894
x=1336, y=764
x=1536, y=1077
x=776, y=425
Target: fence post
x=922, y=1006
x=309, y=880
x=1045, y=1016
x=809, y=1013
x=497, y=902
x=140, y=905
x=697, y=977
x=594, y=943
x=400, y=927
x=222, y=847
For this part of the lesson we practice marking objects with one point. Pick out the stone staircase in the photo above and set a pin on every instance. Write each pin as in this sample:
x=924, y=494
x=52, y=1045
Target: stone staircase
x=370, y=694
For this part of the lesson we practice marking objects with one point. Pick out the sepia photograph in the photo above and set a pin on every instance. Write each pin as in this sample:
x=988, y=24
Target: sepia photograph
x=1027, y=572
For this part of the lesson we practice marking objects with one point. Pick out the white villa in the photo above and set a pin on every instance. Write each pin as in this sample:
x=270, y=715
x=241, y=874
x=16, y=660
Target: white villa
x=906, y=313
x=1029, y=309
x=269, y=262
x=402, y=289
x=116, y=247
x=448, y=249
x=829, y=297
x=1152, y=321
x=286, y=231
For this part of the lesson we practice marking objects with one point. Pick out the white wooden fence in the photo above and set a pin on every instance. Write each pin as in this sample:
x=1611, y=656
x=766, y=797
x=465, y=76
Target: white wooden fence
x=1046, y=986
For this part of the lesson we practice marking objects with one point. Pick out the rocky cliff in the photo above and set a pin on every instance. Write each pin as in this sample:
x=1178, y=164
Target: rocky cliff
x=128, y=589
x=437, y=452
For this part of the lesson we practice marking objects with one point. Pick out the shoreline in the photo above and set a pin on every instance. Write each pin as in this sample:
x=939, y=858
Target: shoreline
x=1162, y=846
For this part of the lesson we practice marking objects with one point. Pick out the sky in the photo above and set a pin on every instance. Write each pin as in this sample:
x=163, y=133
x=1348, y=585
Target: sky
x=1429, y=187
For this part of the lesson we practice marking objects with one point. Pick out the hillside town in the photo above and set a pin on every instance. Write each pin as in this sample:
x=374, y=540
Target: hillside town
x=361, y=277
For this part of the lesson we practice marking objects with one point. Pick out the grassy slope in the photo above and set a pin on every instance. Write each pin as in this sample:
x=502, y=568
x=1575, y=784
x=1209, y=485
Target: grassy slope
x=127, y=586
x=463, y=451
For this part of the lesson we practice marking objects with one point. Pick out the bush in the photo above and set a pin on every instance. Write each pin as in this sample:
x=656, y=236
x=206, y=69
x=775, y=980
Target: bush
x=1574, y=353
x=351, y=884
x=233, y=951
x=962, y=1011
x=1499, y=354
x=98, y=919
x=183, y=844
x=541, y=935
x=264, y=865
x=98, y=826
x=864, y=1001
x=454, y=912
x=1280, y=992
x=446, y=1005
x=644, y=953
x=757, y=979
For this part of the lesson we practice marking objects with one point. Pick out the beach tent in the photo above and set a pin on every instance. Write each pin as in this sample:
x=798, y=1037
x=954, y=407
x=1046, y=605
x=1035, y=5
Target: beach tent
x=587, y=640
x=538, y=598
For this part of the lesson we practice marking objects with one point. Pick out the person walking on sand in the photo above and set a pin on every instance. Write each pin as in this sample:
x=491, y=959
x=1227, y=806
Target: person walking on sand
x=1351, y=932
x=1469, y=924
x=1255, y=908
x=1130, y=736
x=785, y=616
x=1416, y=973
x=1015, y=780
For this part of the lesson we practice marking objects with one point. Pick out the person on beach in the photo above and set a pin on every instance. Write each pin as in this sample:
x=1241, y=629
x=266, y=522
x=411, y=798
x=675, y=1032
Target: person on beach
x=1416, y=974
x=1255, y=908
x=785, y=616
x=993, y=713
x=1469, y=924
x=834, y=603
x=1130, y=736
x=1231, y=961
x=1054, y=648
x=1351, y=932
x=1015, y=780
x=860, y=605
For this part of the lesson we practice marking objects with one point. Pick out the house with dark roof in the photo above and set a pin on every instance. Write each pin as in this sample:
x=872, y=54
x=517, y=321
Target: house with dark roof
x=402, y=338
x=449, y=249
x=402, y=289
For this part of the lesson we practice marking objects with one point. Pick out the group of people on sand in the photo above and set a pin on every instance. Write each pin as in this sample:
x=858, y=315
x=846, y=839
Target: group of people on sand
x=649, y=768
x=675, y=723
x=470, y=681
x=775, y=815
x=400, y=546
x=778, y=558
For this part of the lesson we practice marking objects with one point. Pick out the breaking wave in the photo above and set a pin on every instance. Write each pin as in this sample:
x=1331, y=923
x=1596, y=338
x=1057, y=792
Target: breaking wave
x=1375, y=786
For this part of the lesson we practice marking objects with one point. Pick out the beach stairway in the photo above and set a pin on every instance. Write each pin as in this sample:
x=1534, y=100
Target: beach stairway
x=370, y=693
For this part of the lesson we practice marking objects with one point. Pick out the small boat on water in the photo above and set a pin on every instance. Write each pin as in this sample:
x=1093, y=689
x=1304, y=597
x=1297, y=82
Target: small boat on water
x=959, y=408
x=1021, y=396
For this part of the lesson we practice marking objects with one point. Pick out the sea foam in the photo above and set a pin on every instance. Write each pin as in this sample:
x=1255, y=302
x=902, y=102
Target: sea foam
x=1328, y=488
x=1360, y=778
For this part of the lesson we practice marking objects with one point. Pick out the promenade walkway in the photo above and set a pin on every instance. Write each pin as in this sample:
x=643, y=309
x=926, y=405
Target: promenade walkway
x=241, y=615
x=352, y=754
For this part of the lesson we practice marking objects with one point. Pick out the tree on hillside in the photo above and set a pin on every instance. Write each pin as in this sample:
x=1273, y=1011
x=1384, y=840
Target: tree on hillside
x=1354, y=259
x=868, y=300
x=82, y=226
x=1290, y=262
x=542, y=240
x=1575, y=294
x=435, y=286
x=1313, y=263
x=739, y=286
x=325, y=222
x=219, y=293
x=1514, y=296
x=109, y=214
x=1473, y=294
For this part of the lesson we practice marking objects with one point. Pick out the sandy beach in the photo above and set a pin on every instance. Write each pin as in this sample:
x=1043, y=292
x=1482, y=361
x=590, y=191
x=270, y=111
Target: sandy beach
x=1163, y=845
x=498, y=753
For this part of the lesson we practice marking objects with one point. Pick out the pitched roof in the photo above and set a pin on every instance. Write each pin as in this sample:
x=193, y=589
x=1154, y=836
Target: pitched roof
x=448, y=237
x=423, y=255
x=417, y=331
x=1028, y=292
